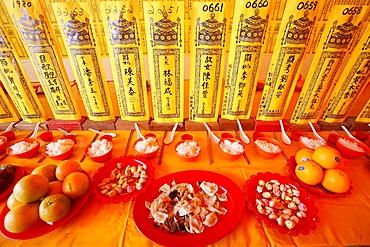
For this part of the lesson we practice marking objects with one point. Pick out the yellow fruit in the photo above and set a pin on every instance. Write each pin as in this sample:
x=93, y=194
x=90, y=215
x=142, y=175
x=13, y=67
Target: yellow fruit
x=31, y=188
x=65, y=168
x=54, y=208
x=75, y=185
x=55, y=187
x=47, y=170
x=336, y=180
x=327, y=157
x=22, y=217
x=303, y=154
x=309, y=172
x=12, y=202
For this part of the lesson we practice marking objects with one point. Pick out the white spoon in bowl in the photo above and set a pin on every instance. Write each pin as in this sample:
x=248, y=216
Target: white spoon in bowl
x=284, y=137
x=243, y=137
x=138, y=134
x=348, y=133
x=10, y=126
x=314, y=131
x=213, y=137
x=169, y=138
x=34, y=133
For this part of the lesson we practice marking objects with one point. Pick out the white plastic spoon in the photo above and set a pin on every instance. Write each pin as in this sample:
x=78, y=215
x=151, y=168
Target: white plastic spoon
x=138, y=134
x=349, y=133
x=243, y=137
x=314, y=131
x=104, y=133
x=284, y=137
x=34, y=133
x=65, y=132
x=169, y=138
x=10, y=126
x=213, y=137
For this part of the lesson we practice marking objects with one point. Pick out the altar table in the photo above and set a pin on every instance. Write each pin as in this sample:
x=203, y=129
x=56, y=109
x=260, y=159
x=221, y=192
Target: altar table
x=343, y=221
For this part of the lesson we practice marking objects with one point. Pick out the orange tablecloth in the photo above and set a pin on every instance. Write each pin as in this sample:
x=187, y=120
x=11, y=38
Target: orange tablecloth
x=343, y=221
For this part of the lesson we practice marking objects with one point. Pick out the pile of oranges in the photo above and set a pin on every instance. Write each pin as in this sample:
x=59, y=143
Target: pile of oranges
x=324, y=166
x=46, y=194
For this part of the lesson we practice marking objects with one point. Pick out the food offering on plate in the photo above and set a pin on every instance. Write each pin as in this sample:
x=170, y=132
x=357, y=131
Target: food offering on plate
x=268, y=148
x=147, y=147
x=190, y=208
x=281, y=203
x=123, y=178
x=350, y=147
x=187, y=149
x=9, y=176
x=45, y=199
x=3, y=143
x=24, y=149
x=60, y=149
x=321, y=171
x=311, y=142
x=231, y=147
x=100, y=150
x=180, y=207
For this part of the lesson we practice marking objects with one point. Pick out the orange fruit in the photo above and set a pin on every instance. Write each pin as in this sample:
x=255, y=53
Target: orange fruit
x=336, y=180
x=75, y=185
x=327, y=157
x=303, y=154
x=31, y=188
x=55, y=187
x=309, y=172
x=54, y=208
x=12, y=202
x=48, y=170
x=22, y=217
x=65, y=168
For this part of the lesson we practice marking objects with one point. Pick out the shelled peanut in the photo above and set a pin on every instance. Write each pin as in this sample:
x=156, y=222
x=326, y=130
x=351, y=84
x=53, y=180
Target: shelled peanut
x=124, y=180
x=280, y=202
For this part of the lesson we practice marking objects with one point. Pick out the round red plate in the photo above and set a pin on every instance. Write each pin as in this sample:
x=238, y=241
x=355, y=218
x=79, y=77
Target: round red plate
x=303, y=226
x=105, y=171
x=19, y=173
x=43, y=228
x=226, y=223
x=317, y=189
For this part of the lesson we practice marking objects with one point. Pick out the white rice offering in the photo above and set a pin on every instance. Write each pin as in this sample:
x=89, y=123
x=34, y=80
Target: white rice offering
x=22, y=147
x=268, y=146
x=231, y=147
x=148, y=145
x=188, y=149
x=351, y=145
x=99, y=148
x=59, y=147
x=312, y=143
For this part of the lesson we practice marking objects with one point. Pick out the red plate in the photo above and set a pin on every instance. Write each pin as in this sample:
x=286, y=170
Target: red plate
x=226, y=223
x=105, y=171
x=42, y=227
x=303, y=226
x=316, y=189
x=19, y=173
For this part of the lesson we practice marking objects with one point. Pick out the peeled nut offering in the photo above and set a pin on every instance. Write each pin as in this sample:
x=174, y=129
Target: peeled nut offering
x=124, y=180
x=280, y=202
